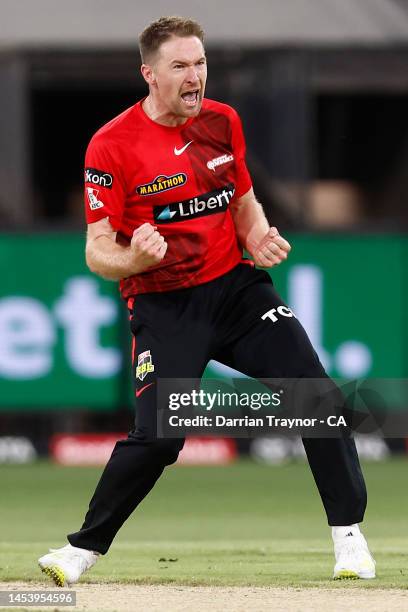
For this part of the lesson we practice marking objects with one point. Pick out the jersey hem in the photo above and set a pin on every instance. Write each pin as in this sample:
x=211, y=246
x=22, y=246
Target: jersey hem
x=126, y=296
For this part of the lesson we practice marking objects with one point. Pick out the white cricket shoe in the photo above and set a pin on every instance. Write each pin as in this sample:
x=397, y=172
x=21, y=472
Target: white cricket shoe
x=65, y=565
x=353, y=559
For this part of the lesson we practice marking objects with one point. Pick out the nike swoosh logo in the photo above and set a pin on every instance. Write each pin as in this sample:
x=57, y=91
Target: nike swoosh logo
x=180, y=151
x=140, y=391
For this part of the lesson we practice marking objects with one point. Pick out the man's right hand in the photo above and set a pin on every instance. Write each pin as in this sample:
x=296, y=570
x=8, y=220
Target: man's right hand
x=114, y=261
x=148, y=246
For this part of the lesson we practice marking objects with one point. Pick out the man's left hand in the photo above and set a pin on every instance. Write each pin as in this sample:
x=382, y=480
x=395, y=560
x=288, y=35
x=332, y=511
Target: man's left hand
x=271, y=250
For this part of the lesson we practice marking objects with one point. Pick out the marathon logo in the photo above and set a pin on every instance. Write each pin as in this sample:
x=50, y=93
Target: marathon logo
x=206, y=204
x=162, y=183
x=98, y=177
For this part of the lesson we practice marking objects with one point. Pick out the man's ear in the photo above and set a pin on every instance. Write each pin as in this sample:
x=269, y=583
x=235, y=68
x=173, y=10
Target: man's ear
x=148, y=74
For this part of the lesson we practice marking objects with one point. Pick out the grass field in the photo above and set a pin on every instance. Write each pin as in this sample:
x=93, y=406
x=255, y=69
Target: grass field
x=244, y=524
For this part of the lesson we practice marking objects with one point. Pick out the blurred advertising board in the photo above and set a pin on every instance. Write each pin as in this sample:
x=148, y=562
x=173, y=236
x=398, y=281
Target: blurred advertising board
x=58, y=326
x=96, y=448
x=63, y=343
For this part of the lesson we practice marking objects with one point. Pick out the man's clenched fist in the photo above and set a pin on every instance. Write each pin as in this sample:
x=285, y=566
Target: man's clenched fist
x=271, y=250
x=148, y=245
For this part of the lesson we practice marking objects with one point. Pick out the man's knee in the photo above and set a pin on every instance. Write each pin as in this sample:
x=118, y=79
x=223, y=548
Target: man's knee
x=308, y=362
x=297, y=357
x=162, y=450
x=138, y=449
x=166, y=450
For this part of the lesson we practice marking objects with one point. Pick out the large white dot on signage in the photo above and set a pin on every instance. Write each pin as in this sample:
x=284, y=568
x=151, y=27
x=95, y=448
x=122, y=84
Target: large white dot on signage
x=353, y=359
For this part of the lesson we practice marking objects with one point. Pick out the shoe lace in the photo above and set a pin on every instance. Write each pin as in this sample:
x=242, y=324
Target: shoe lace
x=83, y=561
x=351, y=548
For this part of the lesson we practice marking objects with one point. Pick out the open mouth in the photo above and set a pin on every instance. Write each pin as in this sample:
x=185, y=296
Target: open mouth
x=190, y=98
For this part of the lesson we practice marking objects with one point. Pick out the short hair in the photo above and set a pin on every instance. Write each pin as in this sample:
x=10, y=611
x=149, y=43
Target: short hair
x=155, y=34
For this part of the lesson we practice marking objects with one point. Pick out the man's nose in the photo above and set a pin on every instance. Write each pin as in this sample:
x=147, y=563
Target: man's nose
x=192, y=74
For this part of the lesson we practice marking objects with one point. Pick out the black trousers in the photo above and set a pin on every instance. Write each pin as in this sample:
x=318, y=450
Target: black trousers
x=176, y=334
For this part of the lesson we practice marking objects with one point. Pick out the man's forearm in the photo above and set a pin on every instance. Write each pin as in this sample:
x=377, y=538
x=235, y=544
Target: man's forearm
x=250, y=223
x=264, y=243
x=109, y=259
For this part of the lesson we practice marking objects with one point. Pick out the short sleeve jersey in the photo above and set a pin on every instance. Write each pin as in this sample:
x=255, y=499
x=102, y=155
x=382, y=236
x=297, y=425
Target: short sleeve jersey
x=181, y=179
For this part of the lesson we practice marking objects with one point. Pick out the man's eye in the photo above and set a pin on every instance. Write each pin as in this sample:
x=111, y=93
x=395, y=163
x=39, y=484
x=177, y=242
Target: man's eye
x=178, y=66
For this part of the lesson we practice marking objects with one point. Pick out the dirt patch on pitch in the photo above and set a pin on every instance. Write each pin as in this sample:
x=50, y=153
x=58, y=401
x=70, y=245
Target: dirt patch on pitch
x=138, y=598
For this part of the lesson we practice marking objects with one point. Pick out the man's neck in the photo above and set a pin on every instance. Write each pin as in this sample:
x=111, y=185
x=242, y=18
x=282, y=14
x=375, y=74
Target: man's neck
x=163, y=117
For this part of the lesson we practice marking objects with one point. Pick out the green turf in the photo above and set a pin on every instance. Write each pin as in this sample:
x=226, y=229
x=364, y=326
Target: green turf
x=235, y=525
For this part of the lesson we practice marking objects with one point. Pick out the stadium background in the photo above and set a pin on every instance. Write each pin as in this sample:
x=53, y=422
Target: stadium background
x=322, y=89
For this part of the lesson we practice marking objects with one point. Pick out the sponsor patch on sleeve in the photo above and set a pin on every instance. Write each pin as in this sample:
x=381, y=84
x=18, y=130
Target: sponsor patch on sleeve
x=98, y=177
x=93, y=200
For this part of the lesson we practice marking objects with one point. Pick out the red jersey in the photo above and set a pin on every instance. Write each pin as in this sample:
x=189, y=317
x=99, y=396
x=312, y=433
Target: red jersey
x=181, y=179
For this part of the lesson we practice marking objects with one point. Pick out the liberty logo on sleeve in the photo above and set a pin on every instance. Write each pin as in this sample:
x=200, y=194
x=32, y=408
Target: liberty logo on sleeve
x=93, y=201
x=144, y=365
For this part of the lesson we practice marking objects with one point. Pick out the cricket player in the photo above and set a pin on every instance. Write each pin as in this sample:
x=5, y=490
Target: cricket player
x=170, y=207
